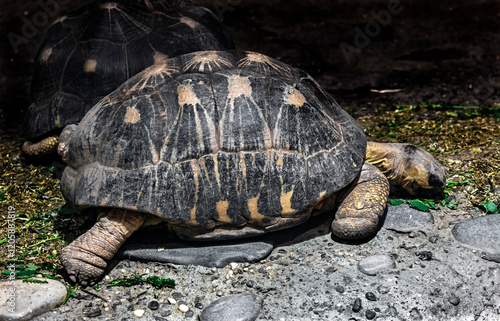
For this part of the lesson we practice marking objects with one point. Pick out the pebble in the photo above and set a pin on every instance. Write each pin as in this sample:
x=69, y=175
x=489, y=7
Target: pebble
x=370, y=314
x=392, y=311
x=424, y=255
x=166, y=313
x=356, y=306
x=139, y=313
x=454, y=300
x=383, y=289
x=241, y=307
x=189, y=314
x=339, y=289
x=177, y=296
x=94, y=313
x=370, y=296
x=404, y=219
x=172, y=300
x=481, y=233
x=153, y=305
x=371, y=265
x=183, y=308
x=31, y=299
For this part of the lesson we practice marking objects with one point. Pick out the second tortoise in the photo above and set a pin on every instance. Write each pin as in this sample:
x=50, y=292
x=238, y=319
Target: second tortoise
x=90, y=52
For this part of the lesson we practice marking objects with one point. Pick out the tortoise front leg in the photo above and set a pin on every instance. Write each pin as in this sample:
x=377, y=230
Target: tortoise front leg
x=43, y=148
x=361, y=206
x=85, y=259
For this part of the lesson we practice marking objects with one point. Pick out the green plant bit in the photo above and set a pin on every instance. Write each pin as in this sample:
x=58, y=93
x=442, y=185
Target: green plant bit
x=35, y=281
x=153, y=280
x=46, y=240
x=71, y=293
x=490, y=207
x=424, y=205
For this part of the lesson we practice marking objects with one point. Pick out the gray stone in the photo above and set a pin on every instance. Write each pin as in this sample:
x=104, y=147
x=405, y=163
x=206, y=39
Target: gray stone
x=404, y=219
x=481, y=233
x=211, y=254
x=373, y=264
x=237, y=307
x=29, y=299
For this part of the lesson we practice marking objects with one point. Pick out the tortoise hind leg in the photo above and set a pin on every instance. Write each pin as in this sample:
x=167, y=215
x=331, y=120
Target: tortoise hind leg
x=361, y=207
x=43, y=148
x=85, y=259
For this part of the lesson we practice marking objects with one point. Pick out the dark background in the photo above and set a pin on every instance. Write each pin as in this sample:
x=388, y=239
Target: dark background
x=441, y=52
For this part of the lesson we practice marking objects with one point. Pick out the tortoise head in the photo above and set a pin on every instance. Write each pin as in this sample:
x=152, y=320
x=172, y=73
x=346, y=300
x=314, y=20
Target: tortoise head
x=64, y=139
x=421, y=175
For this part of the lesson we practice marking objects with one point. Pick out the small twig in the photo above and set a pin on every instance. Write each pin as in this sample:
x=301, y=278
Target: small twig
x=43, y=241
x=97, y=296
x=386, y=91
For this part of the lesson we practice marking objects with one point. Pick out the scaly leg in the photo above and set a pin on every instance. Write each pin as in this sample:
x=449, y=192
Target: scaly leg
x=85, y=259
x=361, y=207
x=45, y=147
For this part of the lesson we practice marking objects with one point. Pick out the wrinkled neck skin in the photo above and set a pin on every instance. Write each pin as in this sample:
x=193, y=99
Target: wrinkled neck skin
x=389, y=160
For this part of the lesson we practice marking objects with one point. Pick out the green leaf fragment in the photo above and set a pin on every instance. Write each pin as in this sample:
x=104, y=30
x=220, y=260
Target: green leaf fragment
x=419, y=205
x=490, y=207
x=153, y=280
x=71, y=293
x=35, y=281
x=395, y=202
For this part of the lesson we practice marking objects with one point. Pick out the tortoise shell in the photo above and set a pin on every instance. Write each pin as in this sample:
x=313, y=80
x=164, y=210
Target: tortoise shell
x=91, y=51
x=218, y=144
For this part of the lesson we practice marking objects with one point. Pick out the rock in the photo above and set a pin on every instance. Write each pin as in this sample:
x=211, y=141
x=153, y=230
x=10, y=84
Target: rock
x=481, y=233
x=370, y=296
x=373, y=264
x=454, y=300
x=183, y=308
x=237, y=307
x=31, y=299
x=404, y=219
x=139, y=313
x=356, y=306
x=94, y=313
x=211, y=254
x=370, y=314
x=153, y=305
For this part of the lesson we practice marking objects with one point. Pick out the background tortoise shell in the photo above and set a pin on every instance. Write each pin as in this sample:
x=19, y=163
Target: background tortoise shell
x=91, y=51
x=219, y=144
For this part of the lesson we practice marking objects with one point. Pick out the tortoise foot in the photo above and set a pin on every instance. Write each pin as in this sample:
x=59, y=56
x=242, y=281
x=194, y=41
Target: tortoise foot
x=361, y=208
x=85, y=259
x=354, y=228
x=83, y=267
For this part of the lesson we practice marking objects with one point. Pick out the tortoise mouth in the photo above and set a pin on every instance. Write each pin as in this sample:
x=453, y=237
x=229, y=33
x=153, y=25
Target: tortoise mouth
x=435, y=192
x=432, y=193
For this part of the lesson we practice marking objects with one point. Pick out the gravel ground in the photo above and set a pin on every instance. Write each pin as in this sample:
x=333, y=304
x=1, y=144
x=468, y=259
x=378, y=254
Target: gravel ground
x=316, y=278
